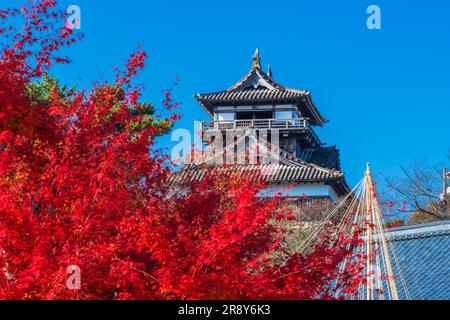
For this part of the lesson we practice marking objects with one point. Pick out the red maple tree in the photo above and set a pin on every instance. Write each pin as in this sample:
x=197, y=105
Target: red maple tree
x=81, y=183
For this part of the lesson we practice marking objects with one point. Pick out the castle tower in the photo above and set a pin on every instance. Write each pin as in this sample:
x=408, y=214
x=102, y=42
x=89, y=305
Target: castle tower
x=257, y=101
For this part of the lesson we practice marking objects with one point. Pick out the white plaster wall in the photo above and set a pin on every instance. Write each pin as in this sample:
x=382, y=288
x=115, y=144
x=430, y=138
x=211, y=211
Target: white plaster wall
x=310, y=190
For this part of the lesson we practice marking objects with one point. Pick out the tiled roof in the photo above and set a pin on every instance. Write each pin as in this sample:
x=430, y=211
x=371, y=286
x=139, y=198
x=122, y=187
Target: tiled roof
x=255, y=94
x=423, y=253
x=288, y=170
x=256, y=76
x=267, y=172
x=257, y=87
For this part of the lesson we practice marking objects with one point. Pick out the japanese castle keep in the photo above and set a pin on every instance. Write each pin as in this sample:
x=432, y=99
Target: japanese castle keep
x=306, y=169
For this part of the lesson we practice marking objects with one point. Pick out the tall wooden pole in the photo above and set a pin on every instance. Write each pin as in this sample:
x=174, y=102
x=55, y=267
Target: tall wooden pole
x=377, y=221
x=369, y=264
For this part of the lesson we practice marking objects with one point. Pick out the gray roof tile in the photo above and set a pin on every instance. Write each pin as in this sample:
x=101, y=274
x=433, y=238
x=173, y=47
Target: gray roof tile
x=423, y=253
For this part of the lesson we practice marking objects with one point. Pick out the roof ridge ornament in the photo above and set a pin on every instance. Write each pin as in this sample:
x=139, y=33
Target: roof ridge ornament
x=256, y=60
x=269, y=72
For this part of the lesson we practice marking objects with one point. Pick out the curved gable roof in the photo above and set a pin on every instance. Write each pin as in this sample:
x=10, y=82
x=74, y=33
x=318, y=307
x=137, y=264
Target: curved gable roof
x=259, y=88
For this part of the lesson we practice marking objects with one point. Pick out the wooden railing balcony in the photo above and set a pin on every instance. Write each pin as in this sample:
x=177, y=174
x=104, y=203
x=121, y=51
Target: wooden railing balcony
x=255, y=124
x=300, y=124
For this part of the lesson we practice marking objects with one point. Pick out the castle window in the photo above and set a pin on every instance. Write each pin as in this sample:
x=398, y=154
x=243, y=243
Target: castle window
x=263, y=115
x=250, y=115
x=283, y=115
x=244, y=115
x=225, y=116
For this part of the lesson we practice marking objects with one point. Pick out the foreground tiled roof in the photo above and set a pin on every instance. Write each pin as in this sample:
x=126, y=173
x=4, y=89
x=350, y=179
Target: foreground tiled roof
x=423, y=253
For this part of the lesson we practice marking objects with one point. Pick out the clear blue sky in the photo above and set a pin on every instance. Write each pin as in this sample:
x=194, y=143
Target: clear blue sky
x=385, y=92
